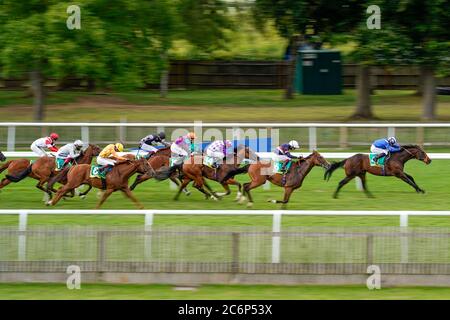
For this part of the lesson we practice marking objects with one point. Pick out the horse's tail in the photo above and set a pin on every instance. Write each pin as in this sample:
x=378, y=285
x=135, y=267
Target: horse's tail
x=333, y=167
x=234, y=172
x=22, y=175
x=5, y=166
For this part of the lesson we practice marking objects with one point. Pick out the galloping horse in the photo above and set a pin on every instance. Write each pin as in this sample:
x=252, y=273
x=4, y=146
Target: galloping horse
x=157, y=161
x=294, y=178
x=2, y=157
x=195, y=170
x=117, y=179
x=43, y=169
x=359, y=164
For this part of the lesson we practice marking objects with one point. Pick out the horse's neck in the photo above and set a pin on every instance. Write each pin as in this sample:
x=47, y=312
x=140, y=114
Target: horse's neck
x=304, y=168
x=126, y=170
x=87, y=156
x=403, y=156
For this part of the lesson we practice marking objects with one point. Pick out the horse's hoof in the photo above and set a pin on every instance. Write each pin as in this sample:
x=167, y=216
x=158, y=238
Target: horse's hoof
x=242, y=200
x=188, y=193
x=272, y=200
x=83, y=197
x=215, y=198
x=48, y=203
x=250, y=204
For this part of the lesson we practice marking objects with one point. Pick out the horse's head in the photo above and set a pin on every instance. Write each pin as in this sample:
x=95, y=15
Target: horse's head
x=95, y=149
x=245, y=152
x=2, y=156
x=418, y=153
x=318, y=160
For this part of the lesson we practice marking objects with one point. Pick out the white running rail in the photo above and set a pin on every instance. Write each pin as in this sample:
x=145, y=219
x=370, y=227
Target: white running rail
x=276, y=216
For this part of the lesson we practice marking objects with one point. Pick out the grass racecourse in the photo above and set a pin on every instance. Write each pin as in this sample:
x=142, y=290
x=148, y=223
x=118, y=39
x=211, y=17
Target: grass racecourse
x=233, y=105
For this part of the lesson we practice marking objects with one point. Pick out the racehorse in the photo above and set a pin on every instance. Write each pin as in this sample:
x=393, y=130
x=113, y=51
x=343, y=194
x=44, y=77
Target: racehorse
x=293, y=180
x=116, y=180
x=194, y=170
x=359, y=164
x=2, y=157
x=42, y=170
x=158, y=160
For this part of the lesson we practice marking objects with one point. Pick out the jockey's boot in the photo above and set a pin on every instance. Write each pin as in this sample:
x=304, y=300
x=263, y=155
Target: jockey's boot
x=378, y=157
x=149, y=154
x=284, y=166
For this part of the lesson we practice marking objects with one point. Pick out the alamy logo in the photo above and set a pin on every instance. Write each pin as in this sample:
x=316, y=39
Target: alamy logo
x=374, y=281
x=74, y=20
x=74, y=280
x=374, y=21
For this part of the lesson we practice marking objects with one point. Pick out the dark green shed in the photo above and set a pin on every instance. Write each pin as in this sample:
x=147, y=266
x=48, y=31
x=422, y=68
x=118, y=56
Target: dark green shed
x=318, y=72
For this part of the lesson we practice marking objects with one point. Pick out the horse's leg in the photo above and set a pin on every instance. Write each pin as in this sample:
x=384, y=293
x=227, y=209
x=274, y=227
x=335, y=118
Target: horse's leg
x=60, y=193
x=342, y=183
x=212, y=194
x=139, y=179
x=362, y=176
x=403, y=176
x=40, y=186
x=287, y=194
x=4, y=183
x=175, y=180
x=412, y=179
x=83, y=194
x=249, y=186
x=105, y=196
x=182, y=187
x=130, y=195
x=227, y=190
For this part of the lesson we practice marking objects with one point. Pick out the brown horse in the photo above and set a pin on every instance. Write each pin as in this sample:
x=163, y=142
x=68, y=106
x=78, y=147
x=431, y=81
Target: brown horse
x=159, y=160
x=116, y=180
x=42, y=169
x=194, y=170
x=359, y=164
x=294, y=177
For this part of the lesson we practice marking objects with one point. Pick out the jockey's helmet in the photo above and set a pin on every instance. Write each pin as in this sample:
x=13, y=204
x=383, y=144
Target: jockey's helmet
x=162, y=135
x=119, y=147
x=191, y=135
x=294, y=144
x=392, y=141
x=78, y=144
x=54, y=136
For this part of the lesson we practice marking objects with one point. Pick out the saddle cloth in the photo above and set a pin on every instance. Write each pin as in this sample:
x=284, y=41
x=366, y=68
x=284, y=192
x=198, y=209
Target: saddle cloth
x=379, y=163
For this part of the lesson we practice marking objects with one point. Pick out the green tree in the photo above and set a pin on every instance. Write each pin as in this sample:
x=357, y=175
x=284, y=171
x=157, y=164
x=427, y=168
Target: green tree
x=117, y=45
x=319, y=18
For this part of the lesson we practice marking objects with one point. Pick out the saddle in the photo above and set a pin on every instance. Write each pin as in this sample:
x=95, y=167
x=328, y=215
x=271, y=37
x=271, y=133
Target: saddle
x=380, y=162
x=97, y=173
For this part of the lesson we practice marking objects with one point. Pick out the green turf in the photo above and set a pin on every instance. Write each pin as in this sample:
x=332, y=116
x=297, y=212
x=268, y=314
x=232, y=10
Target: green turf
x=216, y=292
x=216, y=105
x=316, y=194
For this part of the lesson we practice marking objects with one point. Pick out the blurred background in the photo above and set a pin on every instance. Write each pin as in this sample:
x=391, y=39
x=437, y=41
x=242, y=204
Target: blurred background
x=383, y=63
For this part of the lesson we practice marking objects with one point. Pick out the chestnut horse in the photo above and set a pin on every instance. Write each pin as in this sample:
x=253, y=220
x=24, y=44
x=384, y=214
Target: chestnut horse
x=116, y=180
x=42, y=169
x=260, y=173
x=359, y=164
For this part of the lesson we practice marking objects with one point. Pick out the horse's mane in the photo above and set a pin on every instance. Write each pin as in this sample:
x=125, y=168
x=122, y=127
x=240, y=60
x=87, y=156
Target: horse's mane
x=412, y=146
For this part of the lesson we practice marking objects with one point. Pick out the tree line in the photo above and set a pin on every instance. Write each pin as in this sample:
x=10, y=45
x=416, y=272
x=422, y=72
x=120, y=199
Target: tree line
x=126, y=43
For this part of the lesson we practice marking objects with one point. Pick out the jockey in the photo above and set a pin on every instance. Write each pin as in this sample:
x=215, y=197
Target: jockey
x=39, y=145
x=149, y=142
x=68, y=153
x=108, y=157
x=182, y=148
x=218, y=151
x=383, y=146
x=283, y=154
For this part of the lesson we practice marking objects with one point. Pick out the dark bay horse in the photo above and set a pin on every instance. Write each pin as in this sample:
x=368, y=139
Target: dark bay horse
x=258, y=173
x=116, y=180
x=359, y=164
x=2, y=157
x=43, y=169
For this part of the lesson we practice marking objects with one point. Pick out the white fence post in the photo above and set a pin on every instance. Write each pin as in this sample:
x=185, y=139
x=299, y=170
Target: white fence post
x=391, y=131
x=11, y=138
x=85, y=134
x=22, y=239
x=312, y=139
x=148, y=238
x=276, y=239
x=404, y=239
